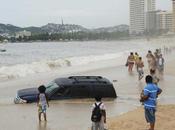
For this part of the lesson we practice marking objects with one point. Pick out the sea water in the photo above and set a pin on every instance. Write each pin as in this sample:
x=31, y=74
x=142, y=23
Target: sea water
x=22, y=59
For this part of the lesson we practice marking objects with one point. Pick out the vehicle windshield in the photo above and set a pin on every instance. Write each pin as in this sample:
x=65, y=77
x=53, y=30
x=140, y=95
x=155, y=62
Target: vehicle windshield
x=51, y=86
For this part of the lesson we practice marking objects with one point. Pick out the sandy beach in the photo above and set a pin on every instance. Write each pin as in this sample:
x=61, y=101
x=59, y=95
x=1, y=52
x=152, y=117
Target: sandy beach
x=134, y=120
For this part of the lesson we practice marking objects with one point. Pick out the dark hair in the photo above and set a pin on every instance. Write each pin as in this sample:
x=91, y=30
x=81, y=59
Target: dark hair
x=42, y=89
x=152, y=71
x=149, y=79
x=131, y=53
x=136, y=53
x=140, y=58
x=98, y=98
x=149, y=51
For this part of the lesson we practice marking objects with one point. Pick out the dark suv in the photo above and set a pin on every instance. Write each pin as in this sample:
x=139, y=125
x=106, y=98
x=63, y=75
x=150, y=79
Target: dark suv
x=71, y=88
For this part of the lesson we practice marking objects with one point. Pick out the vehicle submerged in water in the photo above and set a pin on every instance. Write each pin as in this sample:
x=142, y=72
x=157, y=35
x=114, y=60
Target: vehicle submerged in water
x=74, y=87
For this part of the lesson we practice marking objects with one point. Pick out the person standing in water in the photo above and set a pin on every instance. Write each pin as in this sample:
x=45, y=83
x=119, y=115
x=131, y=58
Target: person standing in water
x=136, y=58
x=149, y=57
x=130, y=62
x=160, y=64
x=98, y=116
x=42, y=102
x=140, y=66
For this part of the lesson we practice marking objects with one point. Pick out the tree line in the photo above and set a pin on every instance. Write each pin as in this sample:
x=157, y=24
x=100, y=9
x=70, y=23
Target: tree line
x=78, y=36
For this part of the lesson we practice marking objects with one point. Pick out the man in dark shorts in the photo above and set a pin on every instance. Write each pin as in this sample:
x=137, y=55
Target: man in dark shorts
x=149, y=97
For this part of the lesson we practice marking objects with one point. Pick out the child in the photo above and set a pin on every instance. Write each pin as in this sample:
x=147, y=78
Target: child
x=140, y=66
x=155, y=78
x=98, y=116
x=42, y=102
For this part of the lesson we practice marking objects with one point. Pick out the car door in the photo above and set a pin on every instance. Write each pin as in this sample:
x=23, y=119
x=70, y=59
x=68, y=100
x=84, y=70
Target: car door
x=80, y=91
x=62, y=93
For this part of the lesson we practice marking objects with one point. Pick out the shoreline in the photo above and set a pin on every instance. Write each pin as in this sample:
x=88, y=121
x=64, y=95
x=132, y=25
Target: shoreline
x=135, y=120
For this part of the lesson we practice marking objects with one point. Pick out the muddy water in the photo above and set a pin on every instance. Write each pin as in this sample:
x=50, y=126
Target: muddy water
x=74, y=114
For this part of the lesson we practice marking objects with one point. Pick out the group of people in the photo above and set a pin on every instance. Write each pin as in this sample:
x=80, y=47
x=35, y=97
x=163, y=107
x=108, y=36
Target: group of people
x=148, y=96
x=155, y=63
x=151, y=91
x=98, y=116
x=135, y=59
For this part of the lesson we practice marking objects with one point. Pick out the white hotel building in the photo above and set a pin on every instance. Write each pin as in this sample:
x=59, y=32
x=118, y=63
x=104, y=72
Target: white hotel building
x=137, y=17
x=150, y=5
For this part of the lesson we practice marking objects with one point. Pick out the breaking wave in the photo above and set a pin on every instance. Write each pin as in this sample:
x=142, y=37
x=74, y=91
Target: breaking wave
x=22, y=70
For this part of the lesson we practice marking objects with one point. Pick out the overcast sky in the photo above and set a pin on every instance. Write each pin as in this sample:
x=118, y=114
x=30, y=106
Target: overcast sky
x=88, y=13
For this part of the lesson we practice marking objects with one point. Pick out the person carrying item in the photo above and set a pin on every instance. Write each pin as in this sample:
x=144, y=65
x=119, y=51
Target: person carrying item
x=149, y=98
x=140, y=66
x=98, y=116
x=42, y=102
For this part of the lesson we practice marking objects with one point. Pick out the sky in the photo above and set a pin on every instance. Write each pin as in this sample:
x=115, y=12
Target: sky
x=88, y=13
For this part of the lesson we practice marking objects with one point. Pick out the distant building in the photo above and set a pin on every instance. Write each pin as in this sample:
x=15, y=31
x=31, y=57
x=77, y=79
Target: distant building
x=137, y=17
x=150, y=5
x=151, y=22
x=23, y=34
x=173, y=15
x=165, y=21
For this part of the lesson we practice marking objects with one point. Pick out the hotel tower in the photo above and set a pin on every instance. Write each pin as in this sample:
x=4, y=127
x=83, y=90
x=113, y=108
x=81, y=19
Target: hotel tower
x=173, y=15
x=137, y=17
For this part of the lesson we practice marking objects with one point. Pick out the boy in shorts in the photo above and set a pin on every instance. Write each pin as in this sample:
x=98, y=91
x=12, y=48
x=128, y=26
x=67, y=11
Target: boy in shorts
x=42, y=102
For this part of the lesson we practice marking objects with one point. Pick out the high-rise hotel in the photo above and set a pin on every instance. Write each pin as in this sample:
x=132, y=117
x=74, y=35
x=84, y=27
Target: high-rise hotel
x=173, y=15
x=150, y=16
x=150, y=5
x=137, y=18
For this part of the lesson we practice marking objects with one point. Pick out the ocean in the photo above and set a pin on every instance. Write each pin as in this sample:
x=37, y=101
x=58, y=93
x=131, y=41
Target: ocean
x=21, y=59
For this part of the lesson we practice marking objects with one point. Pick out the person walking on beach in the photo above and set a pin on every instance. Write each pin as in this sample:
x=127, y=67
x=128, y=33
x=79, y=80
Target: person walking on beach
x=140, y=66
x=136, y=58
x=98, y=116
x=42, y=102
x=149, y=58
x=130, y=62
x=160, y=64
x=154, y=76
x=149, y=98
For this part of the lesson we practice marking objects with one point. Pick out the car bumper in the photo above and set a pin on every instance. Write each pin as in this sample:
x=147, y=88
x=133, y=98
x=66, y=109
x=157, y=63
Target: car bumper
x=18, y=100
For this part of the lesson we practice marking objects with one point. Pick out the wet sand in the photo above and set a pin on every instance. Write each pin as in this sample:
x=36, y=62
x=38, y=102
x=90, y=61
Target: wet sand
x=135, y=120
x=75, y=114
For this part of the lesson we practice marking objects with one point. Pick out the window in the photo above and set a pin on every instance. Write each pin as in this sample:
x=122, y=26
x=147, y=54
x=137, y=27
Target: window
x=52, y=86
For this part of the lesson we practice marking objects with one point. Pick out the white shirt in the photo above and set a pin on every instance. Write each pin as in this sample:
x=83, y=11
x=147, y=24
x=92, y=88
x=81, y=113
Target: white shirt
x=102, y=106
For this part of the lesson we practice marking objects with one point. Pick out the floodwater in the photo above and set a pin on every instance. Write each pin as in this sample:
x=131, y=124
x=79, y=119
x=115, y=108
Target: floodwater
x=75, y=114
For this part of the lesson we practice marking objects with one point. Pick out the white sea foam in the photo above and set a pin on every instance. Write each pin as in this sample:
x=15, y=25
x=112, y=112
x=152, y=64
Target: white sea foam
x=22, y=70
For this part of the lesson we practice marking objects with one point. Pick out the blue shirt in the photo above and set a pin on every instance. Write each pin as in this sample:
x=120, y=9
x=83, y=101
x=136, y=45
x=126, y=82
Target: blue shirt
x=151, y=91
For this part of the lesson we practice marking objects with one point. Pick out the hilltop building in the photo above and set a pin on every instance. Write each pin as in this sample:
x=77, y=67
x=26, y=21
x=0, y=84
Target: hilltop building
x=23, y=34
x=137, y=20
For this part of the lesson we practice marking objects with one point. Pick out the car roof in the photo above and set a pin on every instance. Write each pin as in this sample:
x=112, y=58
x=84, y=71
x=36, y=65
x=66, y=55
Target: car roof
x=75, y=80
